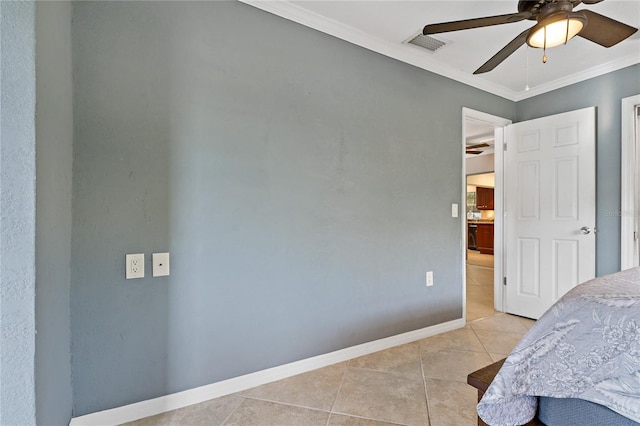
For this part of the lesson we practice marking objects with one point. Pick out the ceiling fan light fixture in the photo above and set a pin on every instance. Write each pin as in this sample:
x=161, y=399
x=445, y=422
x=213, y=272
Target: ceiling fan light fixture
x=556, y=29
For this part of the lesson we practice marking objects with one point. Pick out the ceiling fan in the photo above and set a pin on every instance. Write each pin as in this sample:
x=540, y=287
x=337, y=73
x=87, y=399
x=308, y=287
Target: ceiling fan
x=476, y=149
x=556, y=24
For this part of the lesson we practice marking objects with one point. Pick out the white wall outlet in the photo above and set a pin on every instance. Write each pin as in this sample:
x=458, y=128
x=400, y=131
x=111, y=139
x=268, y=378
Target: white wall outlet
x=454, y=210
x=160, y=264
x=429, y=278
x=134, y=266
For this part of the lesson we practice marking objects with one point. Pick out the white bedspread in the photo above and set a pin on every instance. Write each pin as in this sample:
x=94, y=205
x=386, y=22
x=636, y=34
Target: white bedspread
x=585, y=346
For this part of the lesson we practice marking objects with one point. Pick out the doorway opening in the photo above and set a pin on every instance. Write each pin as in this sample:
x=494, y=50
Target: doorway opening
x=482, y=195
x=480, y=242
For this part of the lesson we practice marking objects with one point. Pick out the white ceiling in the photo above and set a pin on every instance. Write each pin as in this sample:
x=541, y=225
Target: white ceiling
x=476, y=132
x=384, y=25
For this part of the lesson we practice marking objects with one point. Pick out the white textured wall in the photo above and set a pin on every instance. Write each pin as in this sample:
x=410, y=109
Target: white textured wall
x=17, y=213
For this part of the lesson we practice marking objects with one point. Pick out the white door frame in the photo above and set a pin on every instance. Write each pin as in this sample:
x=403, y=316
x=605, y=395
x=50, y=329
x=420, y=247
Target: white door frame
x=629, y=183
x=498, y=289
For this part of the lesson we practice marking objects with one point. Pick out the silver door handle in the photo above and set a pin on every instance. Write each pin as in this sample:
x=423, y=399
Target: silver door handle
x=585, y=230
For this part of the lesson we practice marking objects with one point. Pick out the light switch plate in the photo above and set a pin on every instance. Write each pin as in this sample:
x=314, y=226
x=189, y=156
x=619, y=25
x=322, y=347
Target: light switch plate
x=429, y=278
x=134, y=266
x=160, y=264
x=454, y=210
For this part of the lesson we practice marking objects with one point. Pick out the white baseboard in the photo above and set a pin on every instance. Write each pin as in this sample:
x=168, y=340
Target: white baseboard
x=182, y=399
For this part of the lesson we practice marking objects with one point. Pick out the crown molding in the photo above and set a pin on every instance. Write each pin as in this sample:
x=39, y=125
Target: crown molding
x=580, y=76
x=409, y=55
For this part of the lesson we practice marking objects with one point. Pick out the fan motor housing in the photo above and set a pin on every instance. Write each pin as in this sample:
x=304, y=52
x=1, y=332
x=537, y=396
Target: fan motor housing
x=545, y=7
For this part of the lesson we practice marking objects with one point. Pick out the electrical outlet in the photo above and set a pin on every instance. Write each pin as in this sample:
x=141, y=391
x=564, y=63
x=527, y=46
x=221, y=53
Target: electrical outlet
x=134, y=266
x=429, y=278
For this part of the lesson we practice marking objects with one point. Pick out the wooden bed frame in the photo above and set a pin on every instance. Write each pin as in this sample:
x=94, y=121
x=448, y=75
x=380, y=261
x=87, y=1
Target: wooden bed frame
x=481, y=379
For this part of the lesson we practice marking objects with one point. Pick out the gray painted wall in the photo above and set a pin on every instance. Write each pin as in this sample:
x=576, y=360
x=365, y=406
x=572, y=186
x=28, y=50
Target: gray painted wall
x=54, y=146
x=605, y=93
x=302, y=185
x=17, y=212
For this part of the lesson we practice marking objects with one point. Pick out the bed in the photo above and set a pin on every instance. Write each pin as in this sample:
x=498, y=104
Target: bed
x=580, y=362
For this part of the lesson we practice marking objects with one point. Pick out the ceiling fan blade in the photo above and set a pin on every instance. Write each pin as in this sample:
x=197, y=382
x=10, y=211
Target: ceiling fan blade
x=474, y=23
x=590, y=1
x=504, y=53
x=480, y=145
x=603, y=30
x=473, y=152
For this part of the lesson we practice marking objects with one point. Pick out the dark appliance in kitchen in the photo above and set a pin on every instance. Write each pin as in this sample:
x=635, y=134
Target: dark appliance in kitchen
x=471, y=237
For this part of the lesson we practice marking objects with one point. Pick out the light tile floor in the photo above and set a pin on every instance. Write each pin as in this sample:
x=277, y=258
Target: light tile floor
x=420, y=383
x=479, y=285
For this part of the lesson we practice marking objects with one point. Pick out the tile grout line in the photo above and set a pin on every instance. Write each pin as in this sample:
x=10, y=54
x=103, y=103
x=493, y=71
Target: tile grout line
x=344, y=374
x=424, y=383
x=482, y=343
x=397, y=375
x=332, y=411
x=400, y=375
x=493, y=330
x=347, y=367
x=233, y=411
x=355, y=416
x=288, y=404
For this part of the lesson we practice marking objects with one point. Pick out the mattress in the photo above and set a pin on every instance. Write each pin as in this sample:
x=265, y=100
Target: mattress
x=578, y=412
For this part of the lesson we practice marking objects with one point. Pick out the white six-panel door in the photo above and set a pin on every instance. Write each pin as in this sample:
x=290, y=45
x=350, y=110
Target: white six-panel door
x=549, y=209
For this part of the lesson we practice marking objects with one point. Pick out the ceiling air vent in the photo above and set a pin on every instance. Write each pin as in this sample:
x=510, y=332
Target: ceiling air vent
x=426, y=42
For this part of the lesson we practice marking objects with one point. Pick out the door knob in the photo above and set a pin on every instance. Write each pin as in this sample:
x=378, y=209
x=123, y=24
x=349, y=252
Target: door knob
x=585, y=230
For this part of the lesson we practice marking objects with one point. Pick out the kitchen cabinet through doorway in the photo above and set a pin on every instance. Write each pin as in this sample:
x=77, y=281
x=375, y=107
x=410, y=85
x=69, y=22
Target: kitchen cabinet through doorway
x=484, y=238
x=484, y=198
